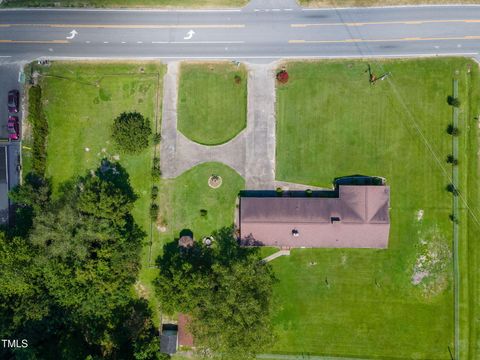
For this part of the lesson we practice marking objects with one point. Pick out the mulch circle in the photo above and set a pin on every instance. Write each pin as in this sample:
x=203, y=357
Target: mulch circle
x=215, y=181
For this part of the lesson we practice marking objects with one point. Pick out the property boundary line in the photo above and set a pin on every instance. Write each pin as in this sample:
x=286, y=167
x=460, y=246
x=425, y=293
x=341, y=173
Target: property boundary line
x=456, y=272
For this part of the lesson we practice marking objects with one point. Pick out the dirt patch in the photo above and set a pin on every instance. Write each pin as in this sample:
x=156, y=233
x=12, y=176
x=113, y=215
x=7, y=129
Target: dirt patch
x=141, y=290
x=420, y=214
x=430, y=271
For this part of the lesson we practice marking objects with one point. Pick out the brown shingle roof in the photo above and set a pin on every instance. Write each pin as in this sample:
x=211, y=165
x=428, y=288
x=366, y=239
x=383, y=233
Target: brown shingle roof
x=185, y=337
x=358, y=218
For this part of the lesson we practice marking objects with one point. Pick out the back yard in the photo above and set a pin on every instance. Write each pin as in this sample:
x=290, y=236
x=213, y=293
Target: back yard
x=331, y=122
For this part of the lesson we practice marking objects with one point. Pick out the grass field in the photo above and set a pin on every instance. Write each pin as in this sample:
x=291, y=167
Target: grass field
x=80, y=101
x=127, y=3
x=181, y=200
x=212, y=105
x=363, y=302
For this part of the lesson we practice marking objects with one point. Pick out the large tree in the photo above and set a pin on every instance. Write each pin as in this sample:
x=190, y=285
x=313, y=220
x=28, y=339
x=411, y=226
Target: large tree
x=70, y=291
x=227, y=290
x=131, y=132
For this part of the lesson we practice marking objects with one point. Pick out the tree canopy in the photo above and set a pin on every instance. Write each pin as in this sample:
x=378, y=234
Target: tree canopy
x=69, y=276
x=226, y=289
x=131, y=132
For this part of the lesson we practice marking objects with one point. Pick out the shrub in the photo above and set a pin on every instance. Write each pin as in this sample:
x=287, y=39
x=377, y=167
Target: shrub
x=39, y=124
x=130, y=132
x=451, y=160
x=154, y=192
x=453, y=218
x=452, y=130
x=452, y=189
x=453, y=101
x=153, y=211
x=238, y=79
x=279, y=191
x=282, y=76
x=203, y=212
x=309, y=192
x=156, y=172
x=157, y=137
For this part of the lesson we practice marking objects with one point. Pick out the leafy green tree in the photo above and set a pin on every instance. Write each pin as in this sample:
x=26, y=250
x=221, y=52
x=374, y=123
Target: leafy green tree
x=30, y=198
x=131, y=132
x=68, y=281
x=227, y=290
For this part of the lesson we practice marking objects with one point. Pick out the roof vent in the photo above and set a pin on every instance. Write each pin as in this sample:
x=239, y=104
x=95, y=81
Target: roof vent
x=334, y=219
x=295, y=233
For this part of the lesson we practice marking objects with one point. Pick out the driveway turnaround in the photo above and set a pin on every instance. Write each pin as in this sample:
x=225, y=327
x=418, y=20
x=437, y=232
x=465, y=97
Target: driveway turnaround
x=251, y=153
x=263, y=30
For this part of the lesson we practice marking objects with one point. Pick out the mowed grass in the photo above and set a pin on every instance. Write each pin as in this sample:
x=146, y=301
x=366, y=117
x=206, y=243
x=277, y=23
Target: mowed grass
x=212, y=105
x=127, y=3
x=331, y=122
x=183, y=198
x=80, y=101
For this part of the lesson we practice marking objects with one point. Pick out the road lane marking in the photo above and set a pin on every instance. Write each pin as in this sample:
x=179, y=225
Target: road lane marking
x=470, y=37
x=73, y=33
x=198, y=42
x=189, y=35
x=35, y=41
x=120, y=26
x=406, y=22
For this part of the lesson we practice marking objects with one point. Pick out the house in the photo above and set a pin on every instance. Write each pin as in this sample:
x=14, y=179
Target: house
x=351, y=216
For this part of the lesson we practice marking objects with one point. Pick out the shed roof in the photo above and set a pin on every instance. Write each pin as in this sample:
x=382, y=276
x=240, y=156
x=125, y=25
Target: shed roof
x=185, y=337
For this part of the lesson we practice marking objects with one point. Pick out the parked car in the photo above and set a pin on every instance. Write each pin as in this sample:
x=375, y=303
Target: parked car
x=13, y=128
x=13, y=101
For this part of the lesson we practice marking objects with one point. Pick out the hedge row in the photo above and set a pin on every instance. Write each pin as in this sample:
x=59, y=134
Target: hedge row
x=39, y=123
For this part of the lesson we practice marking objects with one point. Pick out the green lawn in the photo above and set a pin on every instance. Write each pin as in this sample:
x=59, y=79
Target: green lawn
x=332, y=122
x=81, y=100
x=212, y=104
x=127, y=3
x=182, y=199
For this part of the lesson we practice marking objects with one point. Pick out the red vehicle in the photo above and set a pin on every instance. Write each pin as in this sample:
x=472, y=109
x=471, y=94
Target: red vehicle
x=13, y=101
x=13, y=128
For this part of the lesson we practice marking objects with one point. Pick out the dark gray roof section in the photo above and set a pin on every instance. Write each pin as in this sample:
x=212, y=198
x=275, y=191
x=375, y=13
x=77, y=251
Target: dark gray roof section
x=358, y=217
x=169, y=339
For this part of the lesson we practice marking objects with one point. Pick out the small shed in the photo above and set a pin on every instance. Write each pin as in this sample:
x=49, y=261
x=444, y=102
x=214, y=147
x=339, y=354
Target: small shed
x=185, y=337
x=169, y=339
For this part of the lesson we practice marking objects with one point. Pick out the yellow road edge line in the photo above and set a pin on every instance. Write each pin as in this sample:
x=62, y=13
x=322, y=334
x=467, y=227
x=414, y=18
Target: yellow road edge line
x=118, y=26
x=35, y=41
x=470, y=37
x=406, y=22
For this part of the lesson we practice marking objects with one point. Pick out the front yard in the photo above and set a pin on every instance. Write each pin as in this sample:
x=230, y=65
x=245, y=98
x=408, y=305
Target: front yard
x=212, y=102
x=331, y=122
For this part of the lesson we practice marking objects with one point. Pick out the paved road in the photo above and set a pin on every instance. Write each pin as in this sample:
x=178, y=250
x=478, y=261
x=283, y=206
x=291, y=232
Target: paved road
x=261, y=30
x=264, y=30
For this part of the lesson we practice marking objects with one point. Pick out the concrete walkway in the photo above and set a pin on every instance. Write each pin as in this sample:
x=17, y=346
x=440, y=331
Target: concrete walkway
x=251, y=153
x=276, y=255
